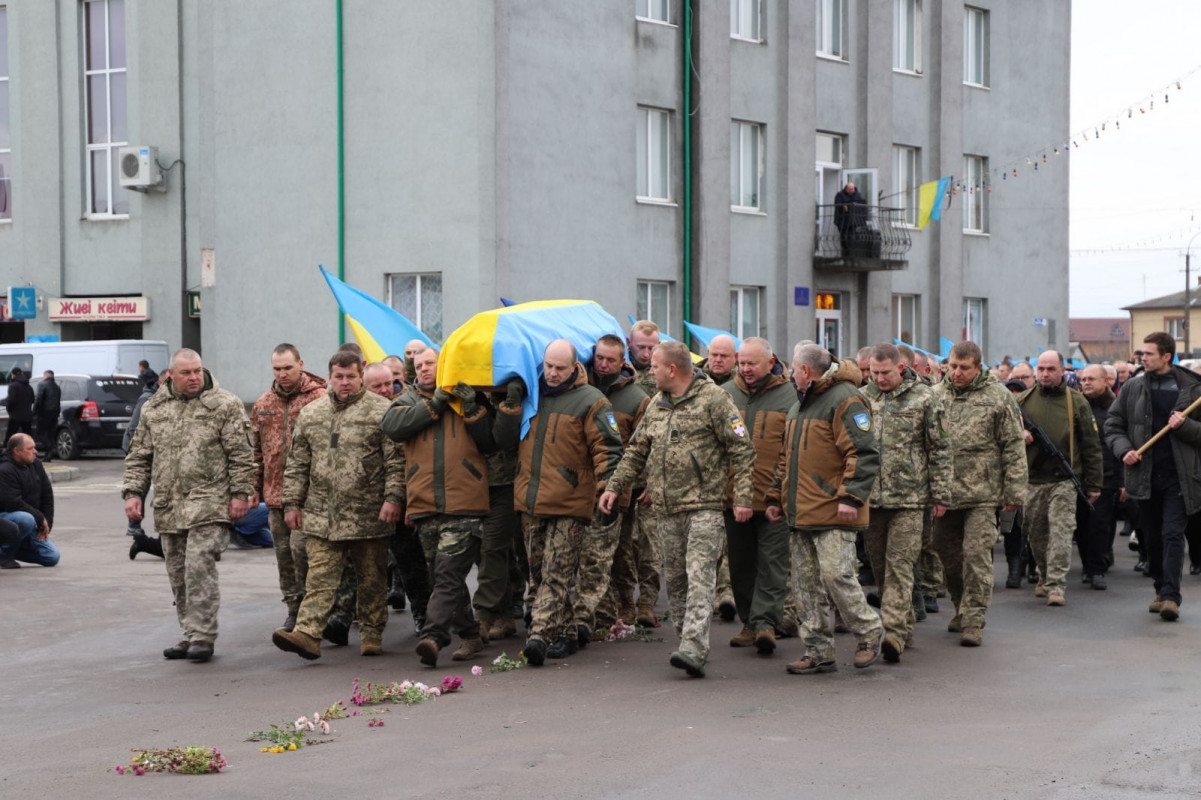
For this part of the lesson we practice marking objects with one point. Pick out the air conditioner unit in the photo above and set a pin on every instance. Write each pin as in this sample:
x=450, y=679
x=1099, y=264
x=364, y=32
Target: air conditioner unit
x=139, y=169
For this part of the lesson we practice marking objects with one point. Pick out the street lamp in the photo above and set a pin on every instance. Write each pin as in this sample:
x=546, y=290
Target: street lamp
x=1188, y=293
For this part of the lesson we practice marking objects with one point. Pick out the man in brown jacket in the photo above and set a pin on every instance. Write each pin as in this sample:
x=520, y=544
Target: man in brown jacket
x=572, y=447
x=272, y=419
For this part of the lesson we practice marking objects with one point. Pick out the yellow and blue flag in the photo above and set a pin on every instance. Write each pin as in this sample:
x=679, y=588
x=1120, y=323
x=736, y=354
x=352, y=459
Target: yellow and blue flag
x=929, y=201
x=663, y=337
x=495, y=346
x=705, y=335
x=380, y=330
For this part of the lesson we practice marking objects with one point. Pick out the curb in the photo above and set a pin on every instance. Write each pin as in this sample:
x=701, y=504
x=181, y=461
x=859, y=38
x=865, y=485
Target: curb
x=61, y=474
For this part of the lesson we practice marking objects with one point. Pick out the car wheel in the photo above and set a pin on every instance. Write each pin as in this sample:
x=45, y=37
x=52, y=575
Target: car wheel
x=66, y=446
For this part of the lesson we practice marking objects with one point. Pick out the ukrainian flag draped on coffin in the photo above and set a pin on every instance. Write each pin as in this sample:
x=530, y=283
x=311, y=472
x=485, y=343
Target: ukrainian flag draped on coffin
x=495, y=346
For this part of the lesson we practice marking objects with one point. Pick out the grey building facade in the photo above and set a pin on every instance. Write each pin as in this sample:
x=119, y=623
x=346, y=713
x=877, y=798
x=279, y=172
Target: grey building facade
x=469, y=150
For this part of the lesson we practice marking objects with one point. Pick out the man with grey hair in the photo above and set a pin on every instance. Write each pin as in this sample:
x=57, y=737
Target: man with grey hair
x=822, y=484
x=1095, y=527
x=192, y=445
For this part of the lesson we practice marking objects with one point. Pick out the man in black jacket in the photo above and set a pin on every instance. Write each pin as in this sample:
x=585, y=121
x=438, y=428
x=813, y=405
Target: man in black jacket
x=46, y=408
x=26, y=500
x=1095, y=526
x=19, y=403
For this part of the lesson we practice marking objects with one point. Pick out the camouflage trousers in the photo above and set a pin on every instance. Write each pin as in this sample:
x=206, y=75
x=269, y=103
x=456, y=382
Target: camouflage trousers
x=647, y=558
x=929, y=572
x=346, y=598
x=758, y=555
x=452, y=546
x=825, y=567
x=327, y=561
x=494, y=593
x=553, y=547
x=191, y=558
x=689, y=544
x=1050, y=521
x=723, y=591
x=623, y=578
x=894, y=541
x=964, y=539
x=291, y=585
x=595, y=568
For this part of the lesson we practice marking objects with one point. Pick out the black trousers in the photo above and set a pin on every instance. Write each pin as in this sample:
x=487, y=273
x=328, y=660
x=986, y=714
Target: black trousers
x=1095, y=529
x=1163, y=527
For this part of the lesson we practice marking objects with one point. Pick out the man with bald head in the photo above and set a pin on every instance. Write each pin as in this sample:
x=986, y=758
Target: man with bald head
x=1022, y=371
x=1050, y=514
x=572, y=448
x=723, y=359
x=27, y=502
x=1095, y=527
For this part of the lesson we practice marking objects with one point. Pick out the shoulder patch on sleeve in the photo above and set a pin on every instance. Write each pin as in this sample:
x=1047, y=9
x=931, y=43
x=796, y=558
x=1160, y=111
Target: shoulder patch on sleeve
x=737, y=425
x=863, y=421
x=612, y=420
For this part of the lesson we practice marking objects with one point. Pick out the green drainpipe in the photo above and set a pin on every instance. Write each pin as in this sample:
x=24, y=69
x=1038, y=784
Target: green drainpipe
x=341, y=178
x=687, y=199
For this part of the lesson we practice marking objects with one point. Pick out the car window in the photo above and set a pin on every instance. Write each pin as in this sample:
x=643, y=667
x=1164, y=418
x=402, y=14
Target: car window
x=10, y=360
x=72, y=389
x=115, y=390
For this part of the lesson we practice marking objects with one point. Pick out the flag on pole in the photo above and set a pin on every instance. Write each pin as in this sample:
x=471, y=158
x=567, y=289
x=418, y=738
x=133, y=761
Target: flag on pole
x=929, y=201
x=379, y=329
x=705, y=335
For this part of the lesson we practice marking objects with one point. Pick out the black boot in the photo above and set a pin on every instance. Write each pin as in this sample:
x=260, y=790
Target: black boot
x=1014, y=581
x=396, y=591
x=145, y=544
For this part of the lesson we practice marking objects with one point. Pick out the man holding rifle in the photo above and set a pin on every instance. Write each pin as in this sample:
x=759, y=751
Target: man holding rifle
x=1154, y=427
x=1063, y=454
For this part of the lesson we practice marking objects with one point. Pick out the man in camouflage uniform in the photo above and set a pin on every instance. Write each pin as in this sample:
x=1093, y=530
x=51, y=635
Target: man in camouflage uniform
x=499, y=585
x=608, y=574
x=272, y=418
x=446, y=492
x=691, y=442
x=758, y=548
x=344, y=485
x=721, y=366
x=914, y=454
x=988, y=471
x=571, y=449
x=192, y=446
x=1050, y=518
x=822, y=483
x=644, y=338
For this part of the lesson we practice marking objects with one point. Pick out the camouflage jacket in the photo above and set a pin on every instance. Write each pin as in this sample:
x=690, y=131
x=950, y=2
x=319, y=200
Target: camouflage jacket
x=571, y=449
x=195, y=452
x=988, y=451
x=629, y=403
x=272, y=418
x=690, y=447
x=342, y=468
x=1048, y=409
x=829, y=455
x=720, y=380
x=915, y=446
x=642, y=377
x=764, y=410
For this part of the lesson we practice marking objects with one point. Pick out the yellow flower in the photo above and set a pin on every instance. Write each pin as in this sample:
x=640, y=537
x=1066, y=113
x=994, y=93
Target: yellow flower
x=262, y=749
x=134, y=759
x=292, y=746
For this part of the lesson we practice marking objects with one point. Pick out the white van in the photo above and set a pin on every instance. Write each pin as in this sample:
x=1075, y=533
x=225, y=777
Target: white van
x=107, y=357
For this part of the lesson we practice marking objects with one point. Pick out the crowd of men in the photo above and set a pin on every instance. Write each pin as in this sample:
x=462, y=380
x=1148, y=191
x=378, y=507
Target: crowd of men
x=749, y=484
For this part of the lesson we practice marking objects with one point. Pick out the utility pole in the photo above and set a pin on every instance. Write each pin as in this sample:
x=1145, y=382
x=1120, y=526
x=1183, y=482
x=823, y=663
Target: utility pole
x=1188, y=294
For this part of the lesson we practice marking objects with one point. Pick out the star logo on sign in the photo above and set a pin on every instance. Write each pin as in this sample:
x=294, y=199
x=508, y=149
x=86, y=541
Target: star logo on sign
x=23, y=301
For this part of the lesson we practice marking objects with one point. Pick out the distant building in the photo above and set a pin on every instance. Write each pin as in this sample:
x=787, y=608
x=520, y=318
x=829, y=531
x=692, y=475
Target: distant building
x=1100, y=340
x=1167, y=314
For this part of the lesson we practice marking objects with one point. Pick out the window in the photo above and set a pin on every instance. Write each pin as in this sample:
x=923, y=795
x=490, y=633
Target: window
x=907, y=35
x=830, y=148
x=653, y=154
x=975, y=46
x=746, y=20
x=654, y=303
x=6, y=153
x=419, y=298
x=975, y=194
x=831, y=28
x=745, y=303
x=904, y=175
x=655, y=10
x=1174, y=326
x=904, y=318
x=104, y=98
x=974, y=309
x=746, y=165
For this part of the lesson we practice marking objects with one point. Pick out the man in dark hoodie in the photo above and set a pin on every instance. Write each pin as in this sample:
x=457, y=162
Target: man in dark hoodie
x=26, y=500
x=1095, y=528
x=19, y=404
x=47, y=406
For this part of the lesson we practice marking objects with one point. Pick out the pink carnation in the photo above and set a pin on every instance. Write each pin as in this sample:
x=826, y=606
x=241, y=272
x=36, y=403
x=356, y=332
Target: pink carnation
x=477, y=670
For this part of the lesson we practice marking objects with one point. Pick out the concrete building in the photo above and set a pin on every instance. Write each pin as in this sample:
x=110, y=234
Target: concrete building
x=448, y=152
x=1166, y=314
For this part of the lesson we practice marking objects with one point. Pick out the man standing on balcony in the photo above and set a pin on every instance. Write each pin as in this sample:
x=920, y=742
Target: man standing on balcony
x=848, y=219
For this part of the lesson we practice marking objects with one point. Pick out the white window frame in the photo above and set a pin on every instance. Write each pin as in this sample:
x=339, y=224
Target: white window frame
x=976, y=56
x=975, y=320
x=974, y=195
x=1174, y=327
x=430, y=327
x=829, y=11
x=899, y=311
x=906, y=166
x=907, y=36
x=742, y=134
x=646, y=11
x=108, y=147
x=739, y=295
x=648, y=117
x=646, y=308
x=841, y=139
x=6, y=178
x=744, y=14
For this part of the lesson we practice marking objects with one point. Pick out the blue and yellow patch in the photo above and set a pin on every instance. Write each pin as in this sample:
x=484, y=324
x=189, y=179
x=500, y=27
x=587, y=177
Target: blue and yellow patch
x=737, y=425
x=612, y=420
x=863, y=421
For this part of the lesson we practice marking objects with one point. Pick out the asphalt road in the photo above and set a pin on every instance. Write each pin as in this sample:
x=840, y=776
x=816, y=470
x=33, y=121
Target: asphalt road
x=1098, y=699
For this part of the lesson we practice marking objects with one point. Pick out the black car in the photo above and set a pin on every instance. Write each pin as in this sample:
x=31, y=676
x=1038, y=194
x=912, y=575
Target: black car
x=95, y=412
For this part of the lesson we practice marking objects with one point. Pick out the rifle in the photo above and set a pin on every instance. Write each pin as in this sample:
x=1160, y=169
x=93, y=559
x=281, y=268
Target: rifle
x=1052, y=452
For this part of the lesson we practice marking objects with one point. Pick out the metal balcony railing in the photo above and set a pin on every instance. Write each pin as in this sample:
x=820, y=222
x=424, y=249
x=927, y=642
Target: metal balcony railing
x=862, y=237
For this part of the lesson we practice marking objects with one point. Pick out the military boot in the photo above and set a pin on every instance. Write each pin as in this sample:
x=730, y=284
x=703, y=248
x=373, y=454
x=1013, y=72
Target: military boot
x=726, y=609
x=297, y=642
x=200, y=651
x=646, y=617
x=502, y=629
x=919, y=604
x=765, y=641
x=396, y=591
x=468, y=649
x=563, y=647
x=744, y=638
x=428, y=649
x=177, y=651
x=371, y=647
x=1014, y=581
x=336, y=632
x=891, y=647
x=289, y=622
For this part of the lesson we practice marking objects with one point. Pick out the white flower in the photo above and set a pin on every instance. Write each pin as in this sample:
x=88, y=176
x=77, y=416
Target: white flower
x=498, y=658
x=325, y=727
x=300, y=723
x=435, y=692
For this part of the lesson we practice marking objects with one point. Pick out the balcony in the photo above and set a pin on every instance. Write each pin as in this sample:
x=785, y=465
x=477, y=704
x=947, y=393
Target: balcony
x=865, y=239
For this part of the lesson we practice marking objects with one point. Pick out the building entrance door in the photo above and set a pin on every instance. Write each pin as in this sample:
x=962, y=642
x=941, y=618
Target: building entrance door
x=828, y=313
